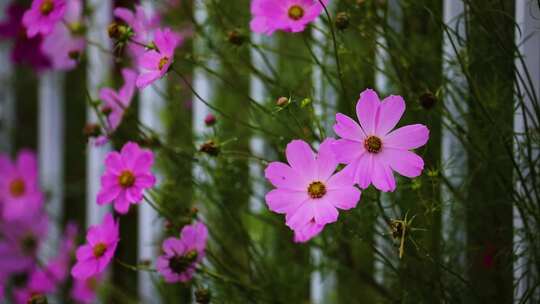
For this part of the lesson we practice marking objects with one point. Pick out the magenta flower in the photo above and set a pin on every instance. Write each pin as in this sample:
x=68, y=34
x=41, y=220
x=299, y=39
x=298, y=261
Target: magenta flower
x=308, y=191
x=285, y=15
x=126, y=176
x=42, y=16
x=84, y=291
x=58, y=267
x=142, y=25
x=19, y=186
x=26, y=50
x=39, y=283
x=20, y=241
x=115, y=103
x=371, y=150
x=62, y=45
x=93, y=257
x=155, y=63
x=181, y=255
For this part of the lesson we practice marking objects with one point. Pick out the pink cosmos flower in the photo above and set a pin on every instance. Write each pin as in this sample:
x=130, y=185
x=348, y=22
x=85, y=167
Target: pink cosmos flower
x=285, y=15
x=143, y=27
x=84, y=291
x=181, y=255
x=126, y=176
x=308, y=191
x=26, y=50
x=372, y=150
x=39, y=283
x=155, y=63
x=58, y=267
x=20, y=241
x=19, y=186
x=93, y=257
x=62, y=45
x=43, y=15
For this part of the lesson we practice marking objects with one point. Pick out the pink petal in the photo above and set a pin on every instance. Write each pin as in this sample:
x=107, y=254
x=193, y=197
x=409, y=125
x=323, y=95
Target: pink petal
x=147, y=78
x=347, y=128
x=324, y=211
x=326, y=160
x=108, y=194
x=130, y=153
x=364, y=170
x=145, y=181
x=84, y=252
x=383, y=177
x=344, y=198
x=194, y=236
x=285, y=201
x=114, y=163
x=391, y=110
x=143, y=162
x=367, y=110
x=121, y=203
x=342, y=179
x=407, y=137
x=404, y=162
x=173, y=246
x=307, y=232
x=84, y=270
x=301, y=216
x=283, y=176
x=347, y=151
x=301, y=158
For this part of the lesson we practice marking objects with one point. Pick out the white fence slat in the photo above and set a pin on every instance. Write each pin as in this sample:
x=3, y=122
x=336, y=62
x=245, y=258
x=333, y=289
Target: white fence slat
x=99, y=64
x=151, y=105
x=528, y=39
x=453, y=154
x=51, y=152
x=7, y=97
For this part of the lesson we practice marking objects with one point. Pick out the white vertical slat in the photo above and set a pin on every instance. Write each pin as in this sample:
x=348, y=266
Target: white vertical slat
x=151, y=105
x=51, y=152
x=325, y=98
x=384, y=88
x=99, y=64
x=7, y=96
x=528, y=39
x=453, y=154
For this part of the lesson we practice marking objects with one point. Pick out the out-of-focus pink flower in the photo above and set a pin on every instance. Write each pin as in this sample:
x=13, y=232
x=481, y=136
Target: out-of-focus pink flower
x=39, y=283
x=25, y=50
x=43, y=16
x=210, y=120
x=143, y=27
x=63, y=45
x=127, y=175
x=155, y=63
x=20, y=241
x=308, y=192
x=181, y=255
x=116, y=102
x=93, y=257
x=371, y=150
x=20, y=193
x=286, y=15
x=2, y=287
x=84, y=291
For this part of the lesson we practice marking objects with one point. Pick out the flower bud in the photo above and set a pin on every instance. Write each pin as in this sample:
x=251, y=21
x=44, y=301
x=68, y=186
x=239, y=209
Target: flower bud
x=202, y=296
x=342, y=20
x=119, y=31
x=282, y=101
x=92, y=130
x=428, y=100
x=210, y=148
x=210, y=120
x=236, y=37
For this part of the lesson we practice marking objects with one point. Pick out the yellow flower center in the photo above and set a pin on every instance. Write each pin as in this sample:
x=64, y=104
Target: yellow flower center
x=17, y=188
x=296, y=12
x=126, y=179
x=46, y=7
x=163, y=61
x=373, y=144
x=99, y=250
x=316, y=190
